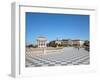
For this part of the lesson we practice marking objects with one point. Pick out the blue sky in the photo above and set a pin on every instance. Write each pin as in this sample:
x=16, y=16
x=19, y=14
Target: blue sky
x=53, y=26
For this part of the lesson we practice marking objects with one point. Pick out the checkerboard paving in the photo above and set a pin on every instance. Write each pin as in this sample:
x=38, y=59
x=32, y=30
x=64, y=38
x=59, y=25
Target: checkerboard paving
x=69, y=56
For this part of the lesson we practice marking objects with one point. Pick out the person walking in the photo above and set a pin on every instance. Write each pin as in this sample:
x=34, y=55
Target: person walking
x=78, y=47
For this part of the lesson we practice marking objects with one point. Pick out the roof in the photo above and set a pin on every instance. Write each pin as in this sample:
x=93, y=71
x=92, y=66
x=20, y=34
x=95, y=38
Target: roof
x=76, y=40
x=41, y=38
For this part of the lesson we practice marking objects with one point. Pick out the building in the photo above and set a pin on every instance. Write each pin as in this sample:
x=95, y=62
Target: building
x=54, y=43
x=41, y=42
x=66, y=42
x=78, y=42
x=82, y=43
x=60, y=43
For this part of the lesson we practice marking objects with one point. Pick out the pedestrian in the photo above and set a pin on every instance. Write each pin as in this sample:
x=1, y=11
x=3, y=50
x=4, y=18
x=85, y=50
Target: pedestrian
x=78, y=48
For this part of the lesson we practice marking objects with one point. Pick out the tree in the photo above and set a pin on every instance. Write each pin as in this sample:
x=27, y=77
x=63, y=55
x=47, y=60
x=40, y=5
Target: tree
x=31, y=46
x=87, y=45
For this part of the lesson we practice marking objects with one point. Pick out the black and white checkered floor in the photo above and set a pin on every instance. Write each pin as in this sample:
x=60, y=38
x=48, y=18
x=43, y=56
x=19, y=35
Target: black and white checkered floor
x=68, y=56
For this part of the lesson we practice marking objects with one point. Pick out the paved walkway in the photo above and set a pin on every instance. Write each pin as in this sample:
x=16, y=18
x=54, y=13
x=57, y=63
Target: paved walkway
x=67, y=56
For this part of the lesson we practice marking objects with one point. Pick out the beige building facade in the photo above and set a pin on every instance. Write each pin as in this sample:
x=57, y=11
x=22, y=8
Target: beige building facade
x=41, y=42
